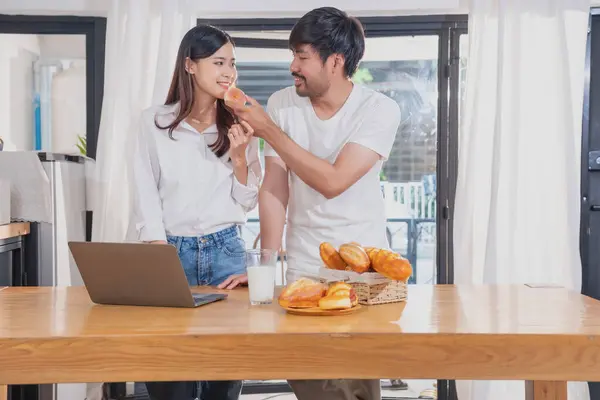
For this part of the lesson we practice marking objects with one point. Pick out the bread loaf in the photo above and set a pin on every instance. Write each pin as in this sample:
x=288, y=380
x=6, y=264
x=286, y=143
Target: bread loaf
x=331, y=257
x=303, y=293
x=391, y=265
x=355, y=256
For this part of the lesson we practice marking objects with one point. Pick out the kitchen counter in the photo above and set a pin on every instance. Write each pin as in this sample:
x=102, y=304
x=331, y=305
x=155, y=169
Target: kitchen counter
x=14, y=230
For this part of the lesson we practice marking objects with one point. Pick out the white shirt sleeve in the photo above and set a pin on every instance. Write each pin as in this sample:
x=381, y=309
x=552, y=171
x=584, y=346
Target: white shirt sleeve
x=379, y=128
x=146, y=173
x=272, y=111
x=247, y=195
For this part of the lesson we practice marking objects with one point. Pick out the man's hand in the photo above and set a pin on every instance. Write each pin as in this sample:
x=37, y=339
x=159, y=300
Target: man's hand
x=234, y=281
x=158, y=242
x=254, y=115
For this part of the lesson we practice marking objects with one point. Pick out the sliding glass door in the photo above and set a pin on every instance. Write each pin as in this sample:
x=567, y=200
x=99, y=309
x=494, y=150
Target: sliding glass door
x=417, y=62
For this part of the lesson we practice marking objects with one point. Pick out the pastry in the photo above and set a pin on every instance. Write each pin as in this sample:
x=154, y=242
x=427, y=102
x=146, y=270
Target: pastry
x=356, y=257
x=371, y=251
x=391, y=265
x=331, y=257
x=234, y=97
x=303, y=293
x=339, y=296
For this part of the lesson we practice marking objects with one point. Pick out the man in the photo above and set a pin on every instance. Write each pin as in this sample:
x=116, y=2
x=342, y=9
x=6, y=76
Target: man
x=326, y=139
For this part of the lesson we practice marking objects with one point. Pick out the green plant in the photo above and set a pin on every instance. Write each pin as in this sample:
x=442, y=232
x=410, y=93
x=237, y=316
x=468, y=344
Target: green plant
x=362, y=75
x=382, y=176
x=82, y=145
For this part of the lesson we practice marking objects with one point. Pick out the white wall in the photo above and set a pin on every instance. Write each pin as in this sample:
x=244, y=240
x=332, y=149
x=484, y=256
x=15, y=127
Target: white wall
x=63, y=102
x=282, y=8
x=68, y=108
x=56, y=7
x=17, y=55
x=63, y=46
x=244, y=8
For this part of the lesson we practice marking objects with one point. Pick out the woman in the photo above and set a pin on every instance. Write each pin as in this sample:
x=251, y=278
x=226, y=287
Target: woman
x=196, y=176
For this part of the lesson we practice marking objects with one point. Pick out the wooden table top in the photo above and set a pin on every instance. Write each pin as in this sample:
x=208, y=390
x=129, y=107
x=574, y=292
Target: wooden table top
x=14, y=229
x=53, y=335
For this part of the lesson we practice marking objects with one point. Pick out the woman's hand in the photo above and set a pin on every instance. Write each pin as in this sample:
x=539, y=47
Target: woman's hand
x=239, y=137
x=233, y=281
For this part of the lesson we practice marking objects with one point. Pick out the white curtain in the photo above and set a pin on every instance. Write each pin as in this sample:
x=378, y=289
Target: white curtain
x=519, y=154
x=142, y=40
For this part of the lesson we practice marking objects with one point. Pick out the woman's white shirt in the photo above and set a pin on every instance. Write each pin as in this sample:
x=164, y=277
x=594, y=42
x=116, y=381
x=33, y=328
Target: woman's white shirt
x=181, y=187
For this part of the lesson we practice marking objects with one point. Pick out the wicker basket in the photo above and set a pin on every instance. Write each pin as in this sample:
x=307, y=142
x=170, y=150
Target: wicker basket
x=371, y=288
x=380, y=293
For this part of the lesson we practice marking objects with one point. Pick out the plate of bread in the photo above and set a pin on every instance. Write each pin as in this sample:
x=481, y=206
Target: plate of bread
x=310, y=297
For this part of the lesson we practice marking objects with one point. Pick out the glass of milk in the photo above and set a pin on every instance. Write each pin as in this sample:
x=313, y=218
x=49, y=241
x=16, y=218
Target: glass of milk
x=260, y=267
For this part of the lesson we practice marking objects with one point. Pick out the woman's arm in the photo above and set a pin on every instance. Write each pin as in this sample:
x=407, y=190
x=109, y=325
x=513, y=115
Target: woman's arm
x=247, y=175
x=147, y=210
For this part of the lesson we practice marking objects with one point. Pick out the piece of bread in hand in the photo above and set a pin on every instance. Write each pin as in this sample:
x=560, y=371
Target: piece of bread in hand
x=331, y=258
x=339, y=296
x=303, y=293
x=356, y=257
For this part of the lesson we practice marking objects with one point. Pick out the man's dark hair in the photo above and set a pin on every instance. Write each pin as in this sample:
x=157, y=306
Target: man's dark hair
x=331, y=31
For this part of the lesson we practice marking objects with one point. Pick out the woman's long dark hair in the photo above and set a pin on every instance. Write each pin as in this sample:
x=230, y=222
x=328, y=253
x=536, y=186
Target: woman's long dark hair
x=199, y=42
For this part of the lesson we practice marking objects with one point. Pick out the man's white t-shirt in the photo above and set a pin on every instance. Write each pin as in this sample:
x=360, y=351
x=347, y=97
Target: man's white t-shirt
x=368, y=118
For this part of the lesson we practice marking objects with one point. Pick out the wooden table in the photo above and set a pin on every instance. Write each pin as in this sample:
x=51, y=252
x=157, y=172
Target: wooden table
x=546, y=335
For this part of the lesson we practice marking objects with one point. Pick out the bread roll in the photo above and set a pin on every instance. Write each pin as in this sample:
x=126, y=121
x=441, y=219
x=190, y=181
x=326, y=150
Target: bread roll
x=338, y=286
x=371, y=251
x=391, y=265
x=234, y=97
x=339, y=296
x=303, y=293
x=335, y=303
x=355, y=256
x=331, y=257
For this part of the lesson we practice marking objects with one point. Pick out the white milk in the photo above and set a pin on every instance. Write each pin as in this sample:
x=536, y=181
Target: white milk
x=261, y=283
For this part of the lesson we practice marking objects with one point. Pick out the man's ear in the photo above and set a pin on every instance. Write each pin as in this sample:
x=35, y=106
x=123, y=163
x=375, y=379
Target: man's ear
x=338, y=62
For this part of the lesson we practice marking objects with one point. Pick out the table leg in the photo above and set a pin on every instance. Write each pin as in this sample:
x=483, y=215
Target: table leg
x=3, y=392
x=545, y=390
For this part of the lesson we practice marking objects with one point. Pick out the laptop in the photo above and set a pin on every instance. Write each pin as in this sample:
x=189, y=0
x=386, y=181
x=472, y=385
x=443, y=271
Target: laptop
x=136, y=274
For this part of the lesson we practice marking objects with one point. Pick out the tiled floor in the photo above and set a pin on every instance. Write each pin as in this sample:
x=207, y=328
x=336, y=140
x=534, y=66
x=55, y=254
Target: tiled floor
x=276, y=396
x=400, y=394
x=411, y=393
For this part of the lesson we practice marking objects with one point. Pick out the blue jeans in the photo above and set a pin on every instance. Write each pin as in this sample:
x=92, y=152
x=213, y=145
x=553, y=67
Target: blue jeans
x=209, y=260
x=206, y=260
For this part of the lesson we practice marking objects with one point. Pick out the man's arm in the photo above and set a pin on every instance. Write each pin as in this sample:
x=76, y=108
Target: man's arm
x=272, y=203
x=331, y=180
x=373, y=141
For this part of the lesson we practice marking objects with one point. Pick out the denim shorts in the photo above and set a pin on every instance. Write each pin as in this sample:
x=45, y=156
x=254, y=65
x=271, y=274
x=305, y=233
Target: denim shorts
x=212, y=258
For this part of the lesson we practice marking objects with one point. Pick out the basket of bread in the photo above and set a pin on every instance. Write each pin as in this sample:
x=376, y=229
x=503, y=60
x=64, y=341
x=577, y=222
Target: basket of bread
x=377, y=275
x=309, y=296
